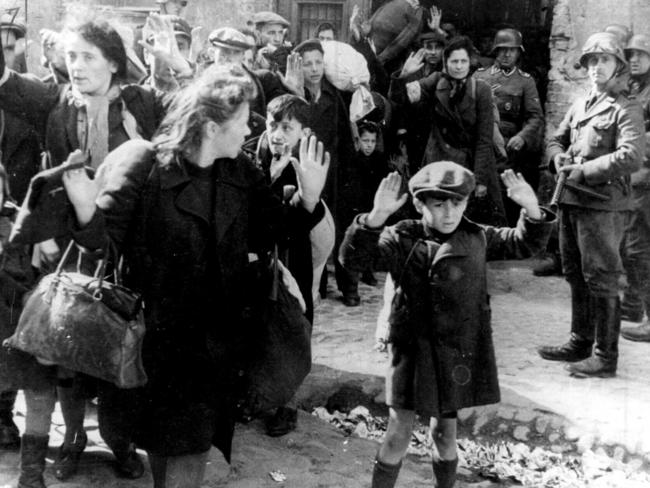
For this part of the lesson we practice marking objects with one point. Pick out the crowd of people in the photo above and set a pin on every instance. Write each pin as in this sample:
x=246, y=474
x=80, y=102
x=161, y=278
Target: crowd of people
x=206, y=152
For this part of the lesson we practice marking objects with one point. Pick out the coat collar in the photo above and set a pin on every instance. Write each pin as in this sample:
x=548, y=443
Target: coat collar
x=231, y=182
x=443, y=91
x=603, y=104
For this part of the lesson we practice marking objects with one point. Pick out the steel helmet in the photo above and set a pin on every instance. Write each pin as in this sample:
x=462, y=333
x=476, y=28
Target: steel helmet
x=602, y=43
x=508, y=38
x=640, y=42
x=622, y=32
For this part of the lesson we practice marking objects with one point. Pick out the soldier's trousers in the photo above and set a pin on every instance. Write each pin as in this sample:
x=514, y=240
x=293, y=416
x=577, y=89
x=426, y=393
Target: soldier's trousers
x=636, y=254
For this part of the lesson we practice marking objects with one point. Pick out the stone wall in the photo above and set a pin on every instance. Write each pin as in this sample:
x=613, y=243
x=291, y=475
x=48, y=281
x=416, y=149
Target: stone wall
x=573, y=22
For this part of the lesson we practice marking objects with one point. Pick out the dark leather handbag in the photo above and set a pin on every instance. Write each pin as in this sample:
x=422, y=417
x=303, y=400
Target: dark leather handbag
x=283, y=357
x=85, y=324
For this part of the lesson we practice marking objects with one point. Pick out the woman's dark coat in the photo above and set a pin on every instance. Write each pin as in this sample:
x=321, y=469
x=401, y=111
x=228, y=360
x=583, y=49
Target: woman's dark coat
x=53, y=114
x=443, y=359
x=462, y=133
x=191, y=267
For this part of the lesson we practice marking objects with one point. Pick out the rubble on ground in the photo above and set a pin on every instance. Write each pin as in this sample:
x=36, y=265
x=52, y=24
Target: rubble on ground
x=504, y=461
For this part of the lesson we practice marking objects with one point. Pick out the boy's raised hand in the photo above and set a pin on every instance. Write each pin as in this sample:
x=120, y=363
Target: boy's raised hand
x=387, y=200
x=520, y=192
x=311, y=171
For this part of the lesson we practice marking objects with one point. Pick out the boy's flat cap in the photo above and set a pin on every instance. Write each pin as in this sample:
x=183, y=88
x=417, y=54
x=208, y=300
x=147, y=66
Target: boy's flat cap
x=268, y=17
x=229, y=38
x=444, y=179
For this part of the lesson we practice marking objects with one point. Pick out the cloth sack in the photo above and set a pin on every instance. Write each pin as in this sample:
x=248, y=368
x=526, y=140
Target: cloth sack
x=283, y=347
x=345, y=67
x=85, y=324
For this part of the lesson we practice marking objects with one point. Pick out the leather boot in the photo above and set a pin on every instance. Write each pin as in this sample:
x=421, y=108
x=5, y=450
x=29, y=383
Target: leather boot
x=32, y=461
x=603, y=361
x=9, y=434
x=582, y=331
x=385, y=475
x=444, y=472
x=640, y=333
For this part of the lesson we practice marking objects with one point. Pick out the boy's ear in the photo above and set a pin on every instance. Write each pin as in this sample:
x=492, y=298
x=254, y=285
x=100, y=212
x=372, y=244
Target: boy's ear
x=417, y=203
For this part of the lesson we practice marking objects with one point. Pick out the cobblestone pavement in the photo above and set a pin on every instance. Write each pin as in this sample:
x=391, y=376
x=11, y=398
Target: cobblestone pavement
x=541, y=405
x=542, y=402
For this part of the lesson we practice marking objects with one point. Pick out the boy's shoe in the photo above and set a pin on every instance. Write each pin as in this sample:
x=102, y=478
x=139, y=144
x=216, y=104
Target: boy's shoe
x=67, y=461
x=369, y=278
x=351, y=299
x=283, y=421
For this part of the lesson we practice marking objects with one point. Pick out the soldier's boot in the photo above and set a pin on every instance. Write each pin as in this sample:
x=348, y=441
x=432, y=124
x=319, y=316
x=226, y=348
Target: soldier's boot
x=603, y=361
x=32, y=461
x=582, y=331
x=9, y=434
x=384, y=475
x=444, y=472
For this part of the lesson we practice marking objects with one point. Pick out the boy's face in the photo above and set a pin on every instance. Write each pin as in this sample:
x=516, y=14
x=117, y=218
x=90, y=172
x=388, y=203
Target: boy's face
x=284, y=134
x=367, y=143
x=441, y=215
x=312, y=67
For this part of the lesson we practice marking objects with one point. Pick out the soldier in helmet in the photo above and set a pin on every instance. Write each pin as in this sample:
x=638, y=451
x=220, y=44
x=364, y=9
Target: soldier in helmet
x=521, y=116
x=636, y=249
x=599, y=144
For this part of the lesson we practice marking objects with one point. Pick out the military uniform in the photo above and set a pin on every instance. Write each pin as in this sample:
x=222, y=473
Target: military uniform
x=636, y=255
x=520, y=115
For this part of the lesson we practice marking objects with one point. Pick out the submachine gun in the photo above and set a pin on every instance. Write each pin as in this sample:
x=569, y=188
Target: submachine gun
x=564, y=182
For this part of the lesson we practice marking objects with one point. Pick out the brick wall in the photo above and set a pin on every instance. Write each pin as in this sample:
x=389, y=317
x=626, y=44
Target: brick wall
x=573, y=22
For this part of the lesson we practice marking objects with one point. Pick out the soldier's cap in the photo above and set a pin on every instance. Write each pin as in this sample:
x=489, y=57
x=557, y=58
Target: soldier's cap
x=9, y=22
x=229, y=38
x=444, y=180
x=433, y=36
x=268, y=17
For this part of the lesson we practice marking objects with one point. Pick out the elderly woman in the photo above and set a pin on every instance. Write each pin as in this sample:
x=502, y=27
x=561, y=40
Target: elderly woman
x=187, y=211
x=599, y=144
x=94, y=113
x=461, y=123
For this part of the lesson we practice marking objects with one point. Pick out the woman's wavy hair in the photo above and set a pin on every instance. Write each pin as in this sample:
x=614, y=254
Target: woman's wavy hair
x=216, y=96
x=97, y=30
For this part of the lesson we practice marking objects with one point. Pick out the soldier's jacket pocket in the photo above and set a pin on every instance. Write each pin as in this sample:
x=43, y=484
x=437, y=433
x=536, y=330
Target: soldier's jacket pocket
x=602, y=133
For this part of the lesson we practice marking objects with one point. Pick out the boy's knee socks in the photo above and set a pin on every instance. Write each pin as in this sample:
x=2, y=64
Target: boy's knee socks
x=384, y=475
x=444, y=472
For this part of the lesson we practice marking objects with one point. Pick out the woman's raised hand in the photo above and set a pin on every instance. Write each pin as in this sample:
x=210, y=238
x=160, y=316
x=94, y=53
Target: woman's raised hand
x=311, y=171
x=413, y=63
x=387, y=200
x=81, y=190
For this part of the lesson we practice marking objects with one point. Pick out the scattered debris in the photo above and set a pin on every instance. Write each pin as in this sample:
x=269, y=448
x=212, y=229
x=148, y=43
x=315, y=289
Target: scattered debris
x=503, y=461
x=278, y=476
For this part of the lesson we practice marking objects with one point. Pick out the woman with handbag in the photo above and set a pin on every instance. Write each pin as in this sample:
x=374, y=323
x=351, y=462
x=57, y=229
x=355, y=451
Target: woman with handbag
x=187, y=211
x=95, y=113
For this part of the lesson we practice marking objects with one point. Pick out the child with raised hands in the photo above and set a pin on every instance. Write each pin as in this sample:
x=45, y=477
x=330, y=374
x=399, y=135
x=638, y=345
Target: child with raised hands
x=441, y=352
